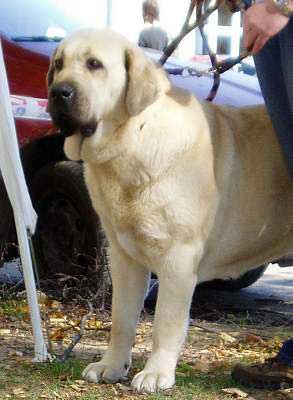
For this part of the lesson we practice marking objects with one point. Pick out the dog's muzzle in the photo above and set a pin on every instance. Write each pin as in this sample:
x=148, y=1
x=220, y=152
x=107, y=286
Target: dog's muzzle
x=62, y=108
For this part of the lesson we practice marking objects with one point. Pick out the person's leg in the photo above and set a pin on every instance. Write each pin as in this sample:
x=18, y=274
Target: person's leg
x=274, y=65
x=286, y=48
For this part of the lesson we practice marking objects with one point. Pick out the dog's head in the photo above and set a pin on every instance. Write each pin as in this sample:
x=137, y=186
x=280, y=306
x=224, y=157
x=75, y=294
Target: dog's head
x=95, y=76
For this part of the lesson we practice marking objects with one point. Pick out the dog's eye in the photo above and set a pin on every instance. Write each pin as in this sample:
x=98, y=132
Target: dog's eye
x=93, y=64
x=58, y=64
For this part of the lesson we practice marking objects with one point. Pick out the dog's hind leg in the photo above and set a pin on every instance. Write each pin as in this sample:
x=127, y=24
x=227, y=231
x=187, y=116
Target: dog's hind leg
x=130, y=283
x=177, y=280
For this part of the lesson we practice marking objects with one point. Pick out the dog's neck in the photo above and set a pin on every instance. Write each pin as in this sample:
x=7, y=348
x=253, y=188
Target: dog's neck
x=139, y=151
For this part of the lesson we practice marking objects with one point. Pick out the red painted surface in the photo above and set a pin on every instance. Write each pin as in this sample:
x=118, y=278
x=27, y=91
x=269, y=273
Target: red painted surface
x=32, y=129
x=26, y=71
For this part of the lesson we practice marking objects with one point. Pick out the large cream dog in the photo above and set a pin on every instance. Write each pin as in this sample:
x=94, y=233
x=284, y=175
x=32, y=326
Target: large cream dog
x=189, y=190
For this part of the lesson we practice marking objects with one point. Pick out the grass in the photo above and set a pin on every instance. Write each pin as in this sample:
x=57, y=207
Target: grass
x=50, y=380
x=20, y=378
x=14, y=308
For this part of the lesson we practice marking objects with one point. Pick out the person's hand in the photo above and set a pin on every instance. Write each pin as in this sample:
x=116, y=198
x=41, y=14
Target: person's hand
x=261, y=22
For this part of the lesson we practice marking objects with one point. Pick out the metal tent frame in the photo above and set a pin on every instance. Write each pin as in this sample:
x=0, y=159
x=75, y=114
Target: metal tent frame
x=24, y=214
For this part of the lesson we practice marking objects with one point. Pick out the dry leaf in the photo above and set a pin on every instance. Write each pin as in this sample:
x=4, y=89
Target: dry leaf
x=94, y=324
x=19, y=392
x=17, y=353
x=80, y=382
x=124, y=388
x=227, y=338
x=75, y=387
x=250, y=338
x=285, y=394
x=236, y=393
x=57, y=334
x=201, y=366
x=5, y=332
x=56, y=304
x=115, y=391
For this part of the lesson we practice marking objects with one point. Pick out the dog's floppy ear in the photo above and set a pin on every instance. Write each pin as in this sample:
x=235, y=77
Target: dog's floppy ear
x=50, y=73
x=142, y=89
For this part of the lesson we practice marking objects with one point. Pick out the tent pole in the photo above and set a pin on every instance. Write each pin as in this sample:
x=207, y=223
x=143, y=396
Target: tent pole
x=24, y=214
x=30, y=286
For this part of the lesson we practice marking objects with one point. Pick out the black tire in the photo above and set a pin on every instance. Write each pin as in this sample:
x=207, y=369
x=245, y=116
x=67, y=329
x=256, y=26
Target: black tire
x=234, y=285
x=68, y=231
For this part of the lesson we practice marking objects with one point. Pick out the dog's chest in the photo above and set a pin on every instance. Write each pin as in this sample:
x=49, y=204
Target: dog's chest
x=144, y=221
x=140, y=223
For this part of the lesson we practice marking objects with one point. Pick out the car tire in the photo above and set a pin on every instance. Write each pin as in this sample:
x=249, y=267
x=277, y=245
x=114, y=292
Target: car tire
x=68, y=231
x=234, y=285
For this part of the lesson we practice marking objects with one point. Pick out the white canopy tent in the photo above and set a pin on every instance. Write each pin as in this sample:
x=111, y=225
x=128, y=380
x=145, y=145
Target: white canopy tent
x=24, y=214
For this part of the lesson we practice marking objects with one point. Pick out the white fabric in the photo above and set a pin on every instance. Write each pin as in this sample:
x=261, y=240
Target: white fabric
x=24, y=214
x=10, y=163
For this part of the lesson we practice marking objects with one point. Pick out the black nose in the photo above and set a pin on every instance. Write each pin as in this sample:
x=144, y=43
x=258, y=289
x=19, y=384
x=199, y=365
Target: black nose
x=64, y=93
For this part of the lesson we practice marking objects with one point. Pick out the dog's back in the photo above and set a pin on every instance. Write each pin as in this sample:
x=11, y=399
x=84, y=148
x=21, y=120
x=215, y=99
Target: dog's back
x=254, y=221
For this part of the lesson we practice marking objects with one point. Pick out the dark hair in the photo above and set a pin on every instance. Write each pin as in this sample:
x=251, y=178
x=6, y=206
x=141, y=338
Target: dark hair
x=150, y=8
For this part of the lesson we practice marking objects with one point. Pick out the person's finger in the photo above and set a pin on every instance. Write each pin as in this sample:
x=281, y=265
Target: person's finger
x=246, y=26
x=259, y=43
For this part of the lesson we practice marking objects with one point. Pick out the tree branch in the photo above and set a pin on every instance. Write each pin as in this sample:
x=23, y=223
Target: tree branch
x=76, y=338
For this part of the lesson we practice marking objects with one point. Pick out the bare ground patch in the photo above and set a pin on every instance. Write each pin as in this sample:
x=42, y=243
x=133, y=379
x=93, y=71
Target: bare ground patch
x=217, y=339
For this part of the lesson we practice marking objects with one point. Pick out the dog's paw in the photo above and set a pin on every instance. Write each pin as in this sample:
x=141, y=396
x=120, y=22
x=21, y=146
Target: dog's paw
x=152, y=381
x=104, y=372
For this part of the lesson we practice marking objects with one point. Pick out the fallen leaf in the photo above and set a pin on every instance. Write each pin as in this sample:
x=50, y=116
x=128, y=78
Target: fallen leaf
x=80, y=381
x=250, y=338
x=124, y=388
x=236, y=393
x=115, y=391
x=56, y=304
x=5, y=332
x=94, y=324
x=57, y=334
x=285, y=394
x=75, y=387
x=201, y=366
x=227, y=338
x=19, y=392
x=15, y=353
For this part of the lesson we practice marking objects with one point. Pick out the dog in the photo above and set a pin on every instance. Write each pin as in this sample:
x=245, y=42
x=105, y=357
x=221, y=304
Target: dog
x=189, y=190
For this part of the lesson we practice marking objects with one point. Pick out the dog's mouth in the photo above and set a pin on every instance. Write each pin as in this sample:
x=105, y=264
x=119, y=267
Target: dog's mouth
x=70, y=126
x=89, y=129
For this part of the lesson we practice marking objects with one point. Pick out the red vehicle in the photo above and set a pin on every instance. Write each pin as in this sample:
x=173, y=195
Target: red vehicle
x=68, y=229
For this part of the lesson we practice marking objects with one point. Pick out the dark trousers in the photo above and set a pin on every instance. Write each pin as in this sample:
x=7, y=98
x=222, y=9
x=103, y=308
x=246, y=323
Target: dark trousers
x=274, y=66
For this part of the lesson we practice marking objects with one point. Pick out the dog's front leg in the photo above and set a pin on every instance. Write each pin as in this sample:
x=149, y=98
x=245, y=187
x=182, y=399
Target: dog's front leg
x=130, y=283
x=177, y=280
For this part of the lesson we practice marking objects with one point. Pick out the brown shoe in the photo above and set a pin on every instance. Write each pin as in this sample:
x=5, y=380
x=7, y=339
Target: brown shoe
x=270, y=375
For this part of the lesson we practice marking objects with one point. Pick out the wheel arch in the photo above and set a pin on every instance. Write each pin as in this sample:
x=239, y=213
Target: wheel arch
x=37, y=154
x=34, y=156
